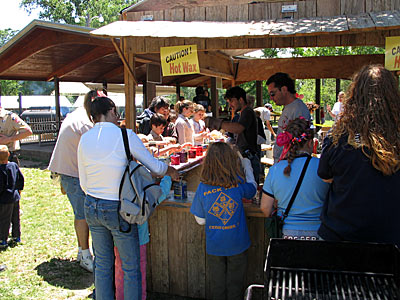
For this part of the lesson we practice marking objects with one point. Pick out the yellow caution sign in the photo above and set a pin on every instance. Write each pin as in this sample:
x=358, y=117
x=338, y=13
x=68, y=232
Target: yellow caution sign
x=179, y=60
x=392, y=53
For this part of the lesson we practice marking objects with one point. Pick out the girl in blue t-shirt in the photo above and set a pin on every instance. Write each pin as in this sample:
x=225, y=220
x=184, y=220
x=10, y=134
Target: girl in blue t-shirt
x=303, y=219
x=218, y=205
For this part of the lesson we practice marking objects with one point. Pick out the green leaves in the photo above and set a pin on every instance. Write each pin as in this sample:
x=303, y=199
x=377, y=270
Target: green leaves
x=86, y=12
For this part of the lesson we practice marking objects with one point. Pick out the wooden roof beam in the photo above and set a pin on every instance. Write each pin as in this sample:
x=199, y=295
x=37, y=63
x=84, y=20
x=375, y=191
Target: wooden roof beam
x=36, y=43
x=88, y=57
x=215, y=65
x=306, y=67
x=110, y=74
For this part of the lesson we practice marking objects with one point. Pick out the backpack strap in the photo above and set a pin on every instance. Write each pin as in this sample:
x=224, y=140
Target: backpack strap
x=296, y=190
x=129, y=157
x=126, y=144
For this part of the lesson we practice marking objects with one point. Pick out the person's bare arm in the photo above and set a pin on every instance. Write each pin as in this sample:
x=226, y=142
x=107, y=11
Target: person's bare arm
x=267, y=204
x=171, y=148
x=330, y=180
x=23, y=133
x=328, y=107
x=270, y=128
x=233, y=127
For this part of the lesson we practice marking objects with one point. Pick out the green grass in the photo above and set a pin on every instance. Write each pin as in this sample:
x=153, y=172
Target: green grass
x=44, y=265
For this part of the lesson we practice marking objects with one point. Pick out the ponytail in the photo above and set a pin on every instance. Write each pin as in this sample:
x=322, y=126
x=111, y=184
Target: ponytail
x=96, y=103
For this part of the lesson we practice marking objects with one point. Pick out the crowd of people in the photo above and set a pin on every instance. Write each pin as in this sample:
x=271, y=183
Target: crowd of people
x=345, y=195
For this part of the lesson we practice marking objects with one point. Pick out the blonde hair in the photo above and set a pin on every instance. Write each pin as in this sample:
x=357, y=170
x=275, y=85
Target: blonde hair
x=180, y=105
x=198, y=107
x=222, y=166
x=4, y=153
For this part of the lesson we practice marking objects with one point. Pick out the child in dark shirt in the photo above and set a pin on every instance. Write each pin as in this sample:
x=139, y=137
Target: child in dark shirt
x=11, y=183
x=218, y=205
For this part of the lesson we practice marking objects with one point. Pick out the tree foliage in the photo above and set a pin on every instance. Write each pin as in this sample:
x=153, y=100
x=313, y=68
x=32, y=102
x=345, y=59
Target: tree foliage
x=6, y=35
x=88, y=11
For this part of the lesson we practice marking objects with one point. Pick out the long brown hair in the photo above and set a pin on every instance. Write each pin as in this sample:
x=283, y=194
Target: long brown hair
x=302, y=133
x=222, y=166
x=371, y=118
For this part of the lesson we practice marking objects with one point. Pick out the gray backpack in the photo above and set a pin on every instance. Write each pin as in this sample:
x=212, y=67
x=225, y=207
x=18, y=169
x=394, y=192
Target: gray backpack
x=138, y=193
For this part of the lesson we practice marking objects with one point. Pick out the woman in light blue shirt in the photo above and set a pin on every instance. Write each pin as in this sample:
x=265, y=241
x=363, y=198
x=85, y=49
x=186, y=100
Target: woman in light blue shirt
x=303, y=220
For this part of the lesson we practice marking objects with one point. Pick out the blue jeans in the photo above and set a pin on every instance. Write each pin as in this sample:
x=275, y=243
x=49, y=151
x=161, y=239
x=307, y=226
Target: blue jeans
x=104, y=224
x=75, y=195
x=256, y=165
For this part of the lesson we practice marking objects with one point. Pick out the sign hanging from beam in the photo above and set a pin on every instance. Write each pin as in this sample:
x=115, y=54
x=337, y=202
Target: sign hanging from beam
x=392, y=53
x=179, y=60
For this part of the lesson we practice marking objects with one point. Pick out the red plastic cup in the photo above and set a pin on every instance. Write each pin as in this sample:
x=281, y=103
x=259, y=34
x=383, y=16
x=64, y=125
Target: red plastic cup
x=192, y=153
x=175, y=159
x=183, y=157
x=199, y=150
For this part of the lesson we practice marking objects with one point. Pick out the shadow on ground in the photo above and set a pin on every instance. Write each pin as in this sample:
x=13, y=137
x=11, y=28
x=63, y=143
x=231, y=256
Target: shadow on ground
x=37, y=164
x=65, y=273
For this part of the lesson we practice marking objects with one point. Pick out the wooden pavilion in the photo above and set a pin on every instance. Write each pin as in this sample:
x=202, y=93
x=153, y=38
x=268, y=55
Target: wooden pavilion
x=127, y=52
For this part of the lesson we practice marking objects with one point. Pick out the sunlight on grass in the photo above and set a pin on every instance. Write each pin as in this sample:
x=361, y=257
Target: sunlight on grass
x=43, y=266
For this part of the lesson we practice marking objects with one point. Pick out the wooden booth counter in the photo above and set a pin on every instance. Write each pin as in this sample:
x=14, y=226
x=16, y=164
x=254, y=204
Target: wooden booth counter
x=176, y=256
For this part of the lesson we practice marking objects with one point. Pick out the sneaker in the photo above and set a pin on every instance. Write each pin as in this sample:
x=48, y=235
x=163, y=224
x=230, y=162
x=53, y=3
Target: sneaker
x=3, y=244
x=16, y=239
x=86, y=262
x=3, y=268
x=79, y=256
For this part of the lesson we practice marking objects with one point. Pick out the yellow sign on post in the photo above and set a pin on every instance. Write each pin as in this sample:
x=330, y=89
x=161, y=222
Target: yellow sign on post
x=392, y=53
x=179, y=60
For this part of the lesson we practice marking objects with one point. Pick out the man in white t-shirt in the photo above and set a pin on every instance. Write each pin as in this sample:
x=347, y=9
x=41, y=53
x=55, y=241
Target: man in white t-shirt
x=337, y=108
x=265, y=115
x=64, y=161
x=282, y=91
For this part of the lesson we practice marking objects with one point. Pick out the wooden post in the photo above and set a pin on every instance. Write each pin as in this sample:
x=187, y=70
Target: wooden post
x=130, y=91
x=318, y=101
x=214, y=98
x=337, y=88
x=105, y=87
x=145, y=103
x=178, y=91
x=151, y=92
x=57, y=100
x=19, y=103
x=259, y=93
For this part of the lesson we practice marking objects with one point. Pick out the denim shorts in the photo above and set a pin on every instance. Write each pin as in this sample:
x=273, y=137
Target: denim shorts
x=75, y=195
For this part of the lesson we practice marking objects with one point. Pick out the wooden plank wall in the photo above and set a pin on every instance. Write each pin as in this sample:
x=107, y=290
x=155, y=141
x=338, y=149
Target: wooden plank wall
x=259, y=11
x=176, y=256
x=319, y=10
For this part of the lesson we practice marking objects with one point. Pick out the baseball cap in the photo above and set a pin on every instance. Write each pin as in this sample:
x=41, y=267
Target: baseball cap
x=268, y=105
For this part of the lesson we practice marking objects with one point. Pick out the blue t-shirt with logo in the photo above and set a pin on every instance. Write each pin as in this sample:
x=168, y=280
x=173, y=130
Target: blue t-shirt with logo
x=306, y=210
x=226, y=228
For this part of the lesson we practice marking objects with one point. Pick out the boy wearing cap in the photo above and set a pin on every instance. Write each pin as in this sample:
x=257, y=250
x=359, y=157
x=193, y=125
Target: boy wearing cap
x=11, y=183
